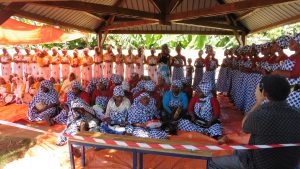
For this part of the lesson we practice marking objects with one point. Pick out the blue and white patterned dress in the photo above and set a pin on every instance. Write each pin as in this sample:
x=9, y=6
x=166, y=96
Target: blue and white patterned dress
x=222, y=83
x=198, y=73
x=138, y=113
x=203, y=110
x=46, y=98
x=117, y=114
x=178, y=72
x=75, y=119
x=210, y=76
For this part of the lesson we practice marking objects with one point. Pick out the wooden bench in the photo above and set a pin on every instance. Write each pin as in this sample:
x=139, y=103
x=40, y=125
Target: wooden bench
x=203, y=155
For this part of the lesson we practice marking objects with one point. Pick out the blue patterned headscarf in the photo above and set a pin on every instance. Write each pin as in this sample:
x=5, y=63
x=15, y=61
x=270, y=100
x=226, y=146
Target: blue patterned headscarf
x=177, y=83
x=149, y=86
x=79, y=103
x=206, y=88
x=116, y=79
x=77, y=85
x=118, y=91
x=103, y=81
x=47, y=98
x=283, y=41
x=91, y=86
x=297, y=38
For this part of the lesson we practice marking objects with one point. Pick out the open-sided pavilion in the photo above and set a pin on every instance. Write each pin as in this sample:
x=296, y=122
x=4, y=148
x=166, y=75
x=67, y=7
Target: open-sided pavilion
x=212, y=17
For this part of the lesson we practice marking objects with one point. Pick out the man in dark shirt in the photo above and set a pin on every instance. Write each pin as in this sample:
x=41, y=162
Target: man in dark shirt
x=272, y=122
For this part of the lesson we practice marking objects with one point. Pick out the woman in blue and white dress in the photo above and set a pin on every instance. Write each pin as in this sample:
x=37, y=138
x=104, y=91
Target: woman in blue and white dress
x=222, y=83
x=211, y=65
x=81, y=117
x=178, y=62
x=142, y=111
x=44, y=104
x=199, y=69
x=164, y=62
x=116, y=111
x=203, y=110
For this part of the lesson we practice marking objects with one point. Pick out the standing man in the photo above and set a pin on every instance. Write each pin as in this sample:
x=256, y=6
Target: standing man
x=55, y=61
x=272, y=122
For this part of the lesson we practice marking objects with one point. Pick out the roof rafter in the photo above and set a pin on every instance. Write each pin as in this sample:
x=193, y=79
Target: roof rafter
x=223, y=9
x=6, y=14
x=32, y=16
x=171, y=32
x=99, y=8
x=129, y=24
x=282, y=22
x=200, y=23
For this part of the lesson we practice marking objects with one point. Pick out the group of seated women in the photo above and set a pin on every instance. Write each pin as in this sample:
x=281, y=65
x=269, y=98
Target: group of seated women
x=138, y=107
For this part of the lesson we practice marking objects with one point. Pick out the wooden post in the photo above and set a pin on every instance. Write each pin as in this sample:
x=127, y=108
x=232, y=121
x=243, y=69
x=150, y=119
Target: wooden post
x=99, y=38
x=244, y=38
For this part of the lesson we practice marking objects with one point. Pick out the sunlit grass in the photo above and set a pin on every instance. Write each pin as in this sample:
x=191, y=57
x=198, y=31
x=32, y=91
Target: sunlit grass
x=12, y=148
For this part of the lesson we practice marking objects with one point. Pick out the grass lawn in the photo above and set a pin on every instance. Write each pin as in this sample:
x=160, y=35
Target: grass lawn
x=12, y=148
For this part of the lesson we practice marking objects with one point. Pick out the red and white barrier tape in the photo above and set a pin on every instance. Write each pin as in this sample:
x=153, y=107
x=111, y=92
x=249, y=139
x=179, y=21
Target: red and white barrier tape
x=154, y=145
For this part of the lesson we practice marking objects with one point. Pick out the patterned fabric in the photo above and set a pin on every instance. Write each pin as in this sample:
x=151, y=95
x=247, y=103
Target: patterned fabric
x=116, y=79
x=198, y=73
x=178, y=72
x=75, y=119
x=222, y=82
x=283, y=41
x=287, y=65
x=51, y=97
x=206, y=88
x=297, y=38
x=250, y=84
x=138, y=113
x=62, y=117
x=118, y=115
x=102, y=101
x=91, y=86
x=294, y=99
x=177, y=83
x=104, y=81
x=118, y=91
x=187, y=81
x=203, y=110
x=149, y=86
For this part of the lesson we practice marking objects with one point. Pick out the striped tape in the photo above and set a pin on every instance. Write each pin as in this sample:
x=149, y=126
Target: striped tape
x=154, y=145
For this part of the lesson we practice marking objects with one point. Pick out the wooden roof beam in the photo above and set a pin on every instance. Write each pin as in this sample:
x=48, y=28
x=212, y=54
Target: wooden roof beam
x=173, y=5
x=171, y=32
x=199, y=23
x=224, y=9
x=99, y=8
x=47, y=20
x=291, y=20
x=246, y=15
x=6, y=14
x=124, y=25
